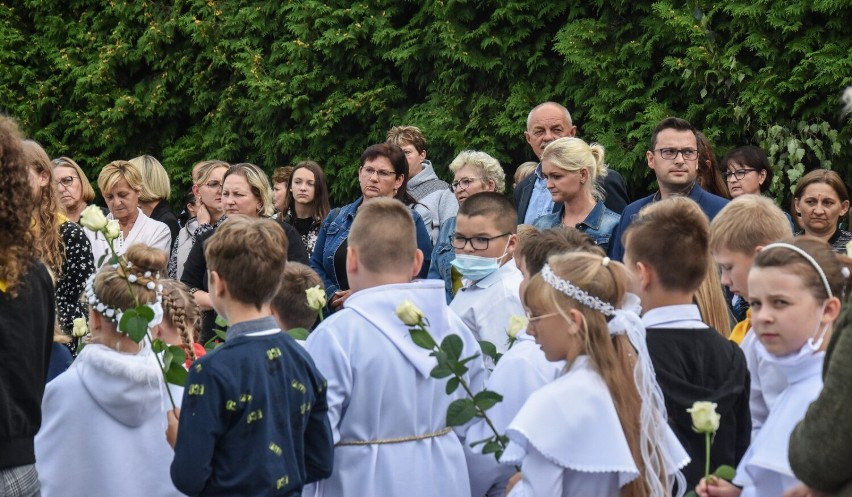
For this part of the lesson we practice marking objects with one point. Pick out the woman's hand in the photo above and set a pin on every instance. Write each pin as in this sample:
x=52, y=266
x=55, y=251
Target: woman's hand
x=202, y=298
x=338, y=298
x=514, y=480
x=716, y=487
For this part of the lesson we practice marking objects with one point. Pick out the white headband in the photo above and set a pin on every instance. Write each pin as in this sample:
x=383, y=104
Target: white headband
x=808, y=258
x=575, y=293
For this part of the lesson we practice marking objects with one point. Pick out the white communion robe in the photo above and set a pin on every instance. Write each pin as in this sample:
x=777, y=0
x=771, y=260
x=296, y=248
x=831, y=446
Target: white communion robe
x=522, y=370
x=103, y=428
x=764, y=470
x=569, y=439
x=145, y=230
x=380, y=391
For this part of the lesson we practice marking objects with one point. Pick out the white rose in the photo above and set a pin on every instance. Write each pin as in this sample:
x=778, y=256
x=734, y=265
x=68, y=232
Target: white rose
x=112, y=230
x=408, y=313
x=316, y=298
x=80, y=327
x=516, y=324
x=705, y=419
x=93, y=218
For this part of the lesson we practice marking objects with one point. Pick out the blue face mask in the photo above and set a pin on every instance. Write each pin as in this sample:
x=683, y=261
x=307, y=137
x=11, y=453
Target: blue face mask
x=474, y=267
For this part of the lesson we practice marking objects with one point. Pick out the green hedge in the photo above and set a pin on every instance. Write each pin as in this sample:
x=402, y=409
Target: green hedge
x=273, y=82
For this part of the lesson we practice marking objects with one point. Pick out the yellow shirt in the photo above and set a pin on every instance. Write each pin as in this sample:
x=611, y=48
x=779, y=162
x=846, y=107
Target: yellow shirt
x=741, y=329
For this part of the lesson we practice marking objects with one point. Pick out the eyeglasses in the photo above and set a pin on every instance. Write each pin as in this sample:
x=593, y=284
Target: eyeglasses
x=464, y=183
x=368, y=172
x=67, y=181
x=214, y=185
x=476, y=242
x=671, y=153
x=739, y=174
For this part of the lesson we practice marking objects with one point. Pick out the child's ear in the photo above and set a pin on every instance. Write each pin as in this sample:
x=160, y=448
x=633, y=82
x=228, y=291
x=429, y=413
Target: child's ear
x=645, y=275
x=417, y=264
x=217, y=284
x=832, y=309
x=351, y=259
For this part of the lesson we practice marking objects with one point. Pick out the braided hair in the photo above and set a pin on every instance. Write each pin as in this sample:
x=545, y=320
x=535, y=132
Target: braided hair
x=181, y=312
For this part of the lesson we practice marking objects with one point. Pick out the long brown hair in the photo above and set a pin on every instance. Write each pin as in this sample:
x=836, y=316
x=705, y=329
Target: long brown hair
x=613, y=356
x=49, y=244
x=320, y=205
x=17, y=240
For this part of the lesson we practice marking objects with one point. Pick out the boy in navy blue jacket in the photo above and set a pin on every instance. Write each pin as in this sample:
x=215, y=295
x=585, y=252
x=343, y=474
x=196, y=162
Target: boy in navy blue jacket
x=254, y=415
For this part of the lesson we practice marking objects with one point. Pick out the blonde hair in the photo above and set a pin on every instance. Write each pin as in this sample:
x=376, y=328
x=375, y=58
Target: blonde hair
x=202, y=170
x=49, y=244
x=155, y=179
x=612, y=356
x=711, y=302
x=181, y=311
x=258, y=184
x=407, y=135
x=116, y=171
x=111, y=283
x=748, y=222
x=487, y=166
x=572, y=155
x=524, y=170
x=88, y=193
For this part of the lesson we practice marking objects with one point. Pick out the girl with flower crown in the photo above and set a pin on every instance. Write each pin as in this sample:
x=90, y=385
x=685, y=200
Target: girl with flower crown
x=105, y=415
x=600, y=428
x=793, y=288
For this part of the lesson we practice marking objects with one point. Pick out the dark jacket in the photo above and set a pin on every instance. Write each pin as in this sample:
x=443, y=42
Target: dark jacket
x=163, y=213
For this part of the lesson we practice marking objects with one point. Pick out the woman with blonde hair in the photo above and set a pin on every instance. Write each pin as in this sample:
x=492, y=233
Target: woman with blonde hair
x=120, y=184
x=75, y=191
x=571, y=168
x=60, y=243
x=619, y=443
x=156, y=189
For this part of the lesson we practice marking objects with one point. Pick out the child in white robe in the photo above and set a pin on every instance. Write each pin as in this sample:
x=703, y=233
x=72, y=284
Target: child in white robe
x=600, y=428
x=792, y=289
x=388, y=416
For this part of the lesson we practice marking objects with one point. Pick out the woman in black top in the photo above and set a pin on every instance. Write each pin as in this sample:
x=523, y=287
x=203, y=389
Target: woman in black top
x=306, y=203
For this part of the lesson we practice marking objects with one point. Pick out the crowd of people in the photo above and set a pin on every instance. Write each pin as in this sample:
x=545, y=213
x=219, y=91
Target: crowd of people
x=636, y=317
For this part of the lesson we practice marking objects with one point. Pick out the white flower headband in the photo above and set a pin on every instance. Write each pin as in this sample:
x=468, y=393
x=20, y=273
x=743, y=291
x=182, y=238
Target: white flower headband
x=808, y=258
x=575, y=293
x=113, y=314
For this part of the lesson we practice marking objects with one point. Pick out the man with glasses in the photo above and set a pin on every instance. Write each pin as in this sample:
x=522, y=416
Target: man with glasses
x=546, y=123
x=484, y=242
x=673, y=157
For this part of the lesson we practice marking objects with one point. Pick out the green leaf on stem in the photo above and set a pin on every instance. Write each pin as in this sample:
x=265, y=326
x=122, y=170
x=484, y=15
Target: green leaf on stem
x=489, y=349
x=452, y=345
x=422, y=338
x=176, y=374
x=113, y=259
x=725, y=472
x=491, y=447
x=298, y=333
x=452, y=385
x=460, y=411
x=158, y=346
x=134, y=325
x=168, y=357
x=146, y=312
x=441, y=372
x=486, y=399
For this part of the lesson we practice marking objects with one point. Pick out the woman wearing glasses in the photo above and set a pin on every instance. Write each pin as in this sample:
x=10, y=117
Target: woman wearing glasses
x=60, y=243
x=75, y=191
x=571, y=168
x=383, y=173
x=474, y=172
x=820, y=200
x=746, y=171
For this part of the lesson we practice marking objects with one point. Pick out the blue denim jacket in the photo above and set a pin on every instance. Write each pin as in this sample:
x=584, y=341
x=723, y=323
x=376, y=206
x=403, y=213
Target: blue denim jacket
x=442, y=255
x=599, y=224
x=335, y=228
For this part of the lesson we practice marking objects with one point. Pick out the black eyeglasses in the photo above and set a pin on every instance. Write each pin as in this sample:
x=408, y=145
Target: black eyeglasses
x=739, y=174
x=671, y=153
x=462, y=184
x=477, y=242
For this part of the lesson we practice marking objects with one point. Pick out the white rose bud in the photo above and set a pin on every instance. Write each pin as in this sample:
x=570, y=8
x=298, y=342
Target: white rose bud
x=408, y=313
x=705, y=419
x=93, y=218
x=516, y=324
x=316, y=298
x=80, y=327
x=112, y=230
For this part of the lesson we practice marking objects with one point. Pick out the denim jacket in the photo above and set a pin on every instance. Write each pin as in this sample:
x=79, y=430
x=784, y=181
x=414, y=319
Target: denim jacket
x=442, y=255
x=335, y=229
x=599, y=224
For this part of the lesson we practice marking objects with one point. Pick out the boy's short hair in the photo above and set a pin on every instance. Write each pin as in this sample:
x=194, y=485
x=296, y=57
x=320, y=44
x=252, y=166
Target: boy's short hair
x=538, y=247
x=291, y=302
x=407, y=135
x=383, y=234
x=671, y=236
x=494, y=206
x=748, y=222
x=249, y=255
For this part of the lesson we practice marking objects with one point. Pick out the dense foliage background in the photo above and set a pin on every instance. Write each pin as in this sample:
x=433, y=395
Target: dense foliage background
x=273, y=82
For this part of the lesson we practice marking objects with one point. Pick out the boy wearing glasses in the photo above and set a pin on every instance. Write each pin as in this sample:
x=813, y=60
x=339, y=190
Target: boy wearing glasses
x=673, y=157
x=484, y=242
